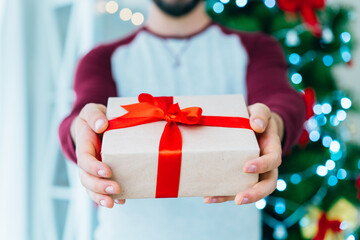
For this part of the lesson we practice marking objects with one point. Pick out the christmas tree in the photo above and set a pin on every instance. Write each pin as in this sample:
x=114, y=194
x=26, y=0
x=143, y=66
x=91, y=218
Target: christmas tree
x=316, y=195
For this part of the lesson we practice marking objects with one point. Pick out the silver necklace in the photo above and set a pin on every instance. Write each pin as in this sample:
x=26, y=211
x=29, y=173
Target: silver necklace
x=177, y=55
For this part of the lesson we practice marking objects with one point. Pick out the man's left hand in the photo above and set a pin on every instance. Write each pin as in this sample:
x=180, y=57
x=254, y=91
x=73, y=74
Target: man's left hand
x=269, y=129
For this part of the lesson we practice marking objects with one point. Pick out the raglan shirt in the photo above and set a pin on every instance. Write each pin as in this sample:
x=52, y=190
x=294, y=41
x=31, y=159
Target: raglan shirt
x=215, y=60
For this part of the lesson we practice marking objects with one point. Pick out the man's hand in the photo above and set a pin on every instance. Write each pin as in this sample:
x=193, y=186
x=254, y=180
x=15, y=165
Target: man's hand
x=93, y=173
x=269, y=128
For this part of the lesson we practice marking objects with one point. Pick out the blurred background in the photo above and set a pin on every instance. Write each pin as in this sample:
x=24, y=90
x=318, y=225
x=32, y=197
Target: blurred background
x=41, y=42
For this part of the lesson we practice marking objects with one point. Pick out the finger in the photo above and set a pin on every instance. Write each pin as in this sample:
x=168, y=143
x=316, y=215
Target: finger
x=218, y=199
x=271, y=155
x=85, y=135
x=260, y=115
x=120, y=201
x=264, y=187
x=88, y=147
x=94, y=115
x=102, y=200
x=98, y=185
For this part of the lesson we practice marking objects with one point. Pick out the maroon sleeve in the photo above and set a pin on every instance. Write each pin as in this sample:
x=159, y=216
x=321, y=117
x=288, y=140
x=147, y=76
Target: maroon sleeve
x=93, y=84
x=268, y=83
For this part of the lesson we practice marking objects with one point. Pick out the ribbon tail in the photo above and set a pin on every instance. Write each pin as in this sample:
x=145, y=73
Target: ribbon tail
x=169, y=162
x=310, y=18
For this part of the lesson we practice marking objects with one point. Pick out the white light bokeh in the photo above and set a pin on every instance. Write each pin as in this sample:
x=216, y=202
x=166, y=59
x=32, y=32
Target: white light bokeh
x=111, y=7
x=137, y=18
x=125, y=14
x=321, y=171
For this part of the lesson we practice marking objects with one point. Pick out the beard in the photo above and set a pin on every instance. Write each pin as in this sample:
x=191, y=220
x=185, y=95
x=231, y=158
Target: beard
x=176, y=8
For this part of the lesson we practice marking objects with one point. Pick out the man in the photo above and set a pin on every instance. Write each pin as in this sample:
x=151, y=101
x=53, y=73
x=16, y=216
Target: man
x=181, y=51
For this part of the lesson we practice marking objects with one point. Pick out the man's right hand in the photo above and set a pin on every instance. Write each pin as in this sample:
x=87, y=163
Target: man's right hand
x=94, y=174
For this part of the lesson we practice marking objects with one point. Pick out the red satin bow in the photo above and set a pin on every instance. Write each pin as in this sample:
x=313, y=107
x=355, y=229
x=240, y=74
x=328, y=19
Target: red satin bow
x=307, y=8
x=310, y=100
x=153, y=109
x=324, y=225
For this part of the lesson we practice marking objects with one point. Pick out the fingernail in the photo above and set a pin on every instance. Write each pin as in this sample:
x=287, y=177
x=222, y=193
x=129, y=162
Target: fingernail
x=110, y=189
x=206, y=199
x=99, y=123
x=244, y=201
x=260, y=123
x=251, y=169
x=103, y=203
x=102, y=173
x=118, y=201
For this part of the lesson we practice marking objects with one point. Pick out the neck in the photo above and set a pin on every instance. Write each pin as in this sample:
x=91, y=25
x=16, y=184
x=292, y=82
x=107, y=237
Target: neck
x=163, y=24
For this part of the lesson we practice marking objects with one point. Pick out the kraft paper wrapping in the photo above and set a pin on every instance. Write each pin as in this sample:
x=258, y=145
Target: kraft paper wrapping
x=212, y=157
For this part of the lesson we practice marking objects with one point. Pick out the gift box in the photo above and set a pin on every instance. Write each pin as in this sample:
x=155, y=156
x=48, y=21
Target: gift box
x=187, y=146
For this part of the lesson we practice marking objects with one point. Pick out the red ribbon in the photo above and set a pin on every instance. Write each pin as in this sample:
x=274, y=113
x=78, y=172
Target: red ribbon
x=324, y=225
x=310, y=100
x=153, y=109
x=307, y=8
x=357, y=184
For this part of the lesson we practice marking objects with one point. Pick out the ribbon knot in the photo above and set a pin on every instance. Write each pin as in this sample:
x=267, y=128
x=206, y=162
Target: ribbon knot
x=152, y=109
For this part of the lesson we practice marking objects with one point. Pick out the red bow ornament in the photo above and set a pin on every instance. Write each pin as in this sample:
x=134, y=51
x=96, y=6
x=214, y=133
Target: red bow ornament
x=307, y=9
x=324, y=225
x=310, y=100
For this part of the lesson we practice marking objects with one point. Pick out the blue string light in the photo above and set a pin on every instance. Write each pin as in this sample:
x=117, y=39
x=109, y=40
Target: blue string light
x=328, y=60
x=295, y=178
x=341, y=115
x=241, y=3
x=334, y=121
x=321, y=171
x=341, y=174
x=326, y=141
x=345, y=103
x=261, y=204
x=345, y=37
x=218, y=7
x=336, y=156
x=350, y=237
x=280, y=232
x=270, y=3
x=326, y=108
x=296, y=78
x=317, y=109
x=330, y=164
x=345, y=54
x=225, y=1
x=281, y=185
x=304, y=222
x=332, y=180
x=294, y=59
x=321, y=119
x=280, y=206
x=334, y=146
x=314, y=135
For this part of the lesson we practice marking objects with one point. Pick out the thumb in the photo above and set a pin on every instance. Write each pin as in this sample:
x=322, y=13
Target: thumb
x=94, y=115
x=260, y=115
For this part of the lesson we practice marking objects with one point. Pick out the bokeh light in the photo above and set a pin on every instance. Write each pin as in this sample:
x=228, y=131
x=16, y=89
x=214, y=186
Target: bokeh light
x=111, y=7
x=321, y=171
x=137, y=18
x=241, y=3
x=125, y=14
x=218, y=7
